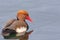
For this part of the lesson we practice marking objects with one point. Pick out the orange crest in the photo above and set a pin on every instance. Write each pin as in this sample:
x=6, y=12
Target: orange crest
x=22, y=12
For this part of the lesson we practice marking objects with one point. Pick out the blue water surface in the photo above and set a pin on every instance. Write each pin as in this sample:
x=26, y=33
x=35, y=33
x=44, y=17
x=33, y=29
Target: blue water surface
x=44, y=13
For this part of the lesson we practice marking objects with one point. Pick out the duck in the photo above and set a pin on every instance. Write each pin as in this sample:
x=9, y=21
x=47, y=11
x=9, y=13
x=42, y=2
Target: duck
x=17, y=26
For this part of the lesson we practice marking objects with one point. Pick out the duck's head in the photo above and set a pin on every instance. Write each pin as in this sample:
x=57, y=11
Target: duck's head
x=22, y=15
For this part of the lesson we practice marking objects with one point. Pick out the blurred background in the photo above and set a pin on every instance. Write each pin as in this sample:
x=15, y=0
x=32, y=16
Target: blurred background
x=44, y=13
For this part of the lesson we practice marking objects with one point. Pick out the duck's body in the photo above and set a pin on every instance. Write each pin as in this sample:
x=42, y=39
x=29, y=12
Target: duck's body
x=16, y=26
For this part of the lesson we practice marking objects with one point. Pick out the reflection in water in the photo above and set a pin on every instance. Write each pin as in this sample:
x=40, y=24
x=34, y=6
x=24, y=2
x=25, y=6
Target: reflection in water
x=23, y=37
x=26, y=36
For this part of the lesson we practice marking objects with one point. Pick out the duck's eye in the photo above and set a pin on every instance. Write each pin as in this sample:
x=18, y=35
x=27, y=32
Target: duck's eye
x=26, y=14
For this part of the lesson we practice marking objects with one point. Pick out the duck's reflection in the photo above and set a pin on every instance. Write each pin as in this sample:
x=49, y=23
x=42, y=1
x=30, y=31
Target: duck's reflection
x=26, y=36
x=23, y=37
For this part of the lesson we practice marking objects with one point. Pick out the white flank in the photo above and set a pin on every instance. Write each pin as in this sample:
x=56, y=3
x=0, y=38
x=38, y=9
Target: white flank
x=20, y=30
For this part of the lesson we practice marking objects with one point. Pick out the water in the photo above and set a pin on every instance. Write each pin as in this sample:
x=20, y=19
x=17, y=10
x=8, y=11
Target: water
x=45, y=15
